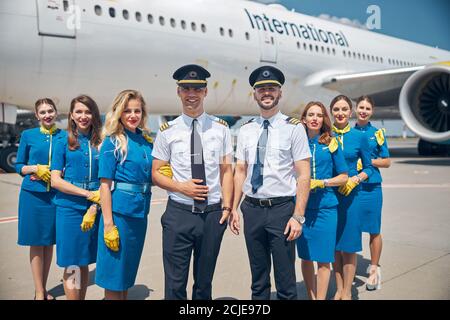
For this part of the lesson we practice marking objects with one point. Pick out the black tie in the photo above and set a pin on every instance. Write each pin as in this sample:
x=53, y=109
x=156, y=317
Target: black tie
x=258, y=167
x=197, y=164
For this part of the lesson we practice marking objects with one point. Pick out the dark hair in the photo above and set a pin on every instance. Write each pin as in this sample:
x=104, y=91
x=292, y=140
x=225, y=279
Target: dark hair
x=325, y=137
x=366, y=98
x=96, y=123
x=42, y=101
x=339, y=98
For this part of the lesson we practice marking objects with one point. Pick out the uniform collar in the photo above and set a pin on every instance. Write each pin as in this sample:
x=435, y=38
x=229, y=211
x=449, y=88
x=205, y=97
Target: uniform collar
x=50, y=131
x=85, y=136
x=272, y=120
x=133, y=134
x=314, y=140
x=363, y=128
x=201, y=119
x=341, y=131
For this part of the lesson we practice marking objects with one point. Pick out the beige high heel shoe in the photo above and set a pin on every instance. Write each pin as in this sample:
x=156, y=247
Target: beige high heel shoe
x=377, y=284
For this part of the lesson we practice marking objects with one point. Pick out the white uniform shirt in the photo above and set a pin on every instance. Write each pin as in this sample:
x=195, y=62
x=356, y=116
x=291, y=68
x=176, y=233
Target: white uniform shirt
x=286, y=144
x=174, y=145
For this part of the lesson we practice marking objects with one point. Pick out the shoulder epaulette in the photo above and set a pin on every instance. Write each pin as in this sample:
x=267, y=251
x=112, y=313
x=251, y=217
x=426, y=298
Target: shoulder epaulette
x=147, y=137
x=164, y=126
x=249, y=121
x=333, y=145
x=221, y=121
x=293, y=121
x=379, y=135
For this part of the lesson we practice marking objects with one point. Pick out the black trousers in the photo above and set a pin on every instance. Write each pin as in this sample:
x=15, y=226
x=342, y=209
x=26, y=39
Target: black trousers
x=185, y=233
x=263, y=230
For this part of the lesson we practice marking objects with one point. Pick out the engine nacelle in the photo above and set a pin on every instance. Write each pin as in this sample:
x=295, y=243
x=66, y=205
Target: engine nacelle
x=425, y=103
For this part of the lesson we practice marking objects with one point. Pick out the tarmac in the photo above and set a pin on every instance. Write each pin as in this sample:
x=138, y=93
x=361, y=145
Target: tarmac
x=415, y=261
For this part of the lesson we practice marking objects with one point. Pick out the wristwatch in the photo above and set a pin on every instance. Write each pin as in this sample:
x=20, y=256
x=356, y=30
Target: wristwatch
x=227, y=209
x=299, y=218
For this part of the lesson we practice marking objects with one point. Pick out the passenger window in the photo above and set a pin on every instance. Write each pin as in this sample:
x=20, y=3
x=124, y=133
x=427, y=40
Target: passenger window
x=125, y=14
x=98, y=10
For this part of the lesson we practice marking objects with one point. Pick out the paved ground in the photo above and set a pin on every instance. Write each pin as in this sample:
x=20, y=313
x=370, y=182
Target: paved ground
x=415, y=260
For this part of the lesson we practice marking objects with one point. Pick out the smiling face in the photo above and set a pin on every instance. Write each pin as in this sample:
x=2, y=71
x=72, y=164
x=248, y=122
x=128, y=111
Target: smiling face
x=267, y=96
x=192, y=98
x=132, y=115
x=46, y=115
x=341, y=112
x=82, y=117
x=314, y=118
x=364, y=111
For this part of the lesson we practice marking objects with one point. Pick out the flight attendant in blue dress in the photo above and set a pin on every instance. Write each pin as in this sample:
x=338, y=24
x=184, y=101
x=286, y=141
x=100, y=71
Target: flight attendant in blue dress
x=36, y=209
x=75, y=175
x=328, y=169
x=348, y=236
x=126, y=160
x=371, y=195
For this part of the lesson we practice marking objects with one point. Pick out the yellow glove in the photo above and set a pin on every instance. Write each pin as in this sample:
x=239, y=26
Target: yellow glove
x=95, y=197
x=317, y=184
x=348, y=187
x=359, y=166
x=166, y=170
x=111, y=239
x=89, y=219
x=43, y=172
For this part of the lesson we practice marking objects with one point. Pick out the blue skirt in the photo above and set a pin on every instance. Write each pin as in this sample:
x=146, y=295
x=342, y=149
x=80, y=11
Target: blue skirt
x=37, y=218
x=348, y=234
x=318, y=239
x=73, y=246
x=116, y=271
x=371, y=200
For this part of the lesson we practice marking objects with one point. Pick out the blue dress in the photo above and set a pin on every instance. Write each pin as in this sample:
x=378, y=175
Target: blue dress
x=116, y=271
x=318, y=239
x=355, y=146
x=371, y=195
x=80, y=167
x=36, y=209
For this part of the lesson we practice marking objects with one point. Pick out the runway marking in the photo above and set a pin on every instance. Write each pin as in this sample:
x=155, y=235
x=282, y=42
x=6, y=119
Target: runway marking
x=416, y=186
x=8, y=219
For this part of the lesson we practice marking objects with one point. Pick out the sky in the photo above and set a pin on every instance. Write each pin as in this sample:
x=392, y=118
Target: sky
x=422, y=21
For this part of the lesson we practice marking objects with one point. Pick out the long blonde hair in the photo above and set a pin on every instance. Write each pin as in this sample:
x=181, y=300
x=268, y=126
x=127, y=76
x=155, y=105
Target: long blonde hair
x=113, y=126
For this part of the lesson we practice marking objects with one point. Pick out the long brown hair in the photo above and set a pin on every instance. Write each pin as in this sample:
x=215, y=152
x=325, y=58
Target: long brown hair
x=326, y=135
x=96, y=123
x=48, y=101
x=339, y=98
x=366, y=98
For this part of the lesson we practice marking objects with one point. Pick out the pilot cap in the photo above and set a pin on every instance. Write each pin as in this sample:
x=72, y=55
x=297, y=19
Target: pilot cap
x=191, y=76
x=266, y=75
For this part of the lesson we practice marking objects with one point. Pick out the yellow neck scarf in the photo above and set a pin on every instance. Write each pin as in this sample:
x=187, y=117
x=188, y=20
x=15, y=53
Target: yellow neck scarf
x=50, y=131
x=341, y=131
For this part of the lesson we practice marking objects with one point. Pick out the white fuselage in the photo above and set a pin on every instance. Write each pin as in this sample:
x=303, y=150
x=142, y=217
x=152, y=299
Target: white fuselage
x=107, y=55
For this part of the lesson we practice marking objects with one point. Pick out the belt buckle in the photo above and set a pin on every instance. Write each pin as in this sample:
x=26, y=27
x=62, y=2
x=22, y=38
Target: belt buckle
x=196, y=211
x=265, y=202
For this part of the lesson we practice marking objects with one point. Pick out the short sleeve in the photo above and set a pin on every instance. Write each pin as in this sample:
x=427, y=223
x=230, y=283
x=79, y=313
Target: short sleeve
x=22, y=153
x=383, y=149
x=300, y=146
x=240, y=154
x=227, y=147
x=161, y=150
x=340, y=165
x=59, y=155
x=107, y=161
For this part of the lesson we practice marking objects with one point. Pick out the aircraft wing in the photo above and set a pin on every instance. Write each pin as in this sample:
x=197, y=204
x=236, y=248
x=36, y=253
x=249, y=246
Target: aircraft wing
x=383, y=86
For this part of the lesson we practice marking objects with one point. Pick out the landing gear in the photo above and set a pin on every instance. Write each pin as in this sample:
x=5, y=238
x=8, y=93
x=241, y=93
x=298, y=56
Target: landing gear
x=8, y=157
x=433, y=149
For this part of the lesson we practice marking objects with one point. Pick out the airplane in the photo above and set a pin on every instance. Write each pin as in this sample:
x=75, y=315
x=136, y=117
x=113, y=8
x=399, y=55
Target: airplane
x=62, y=48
